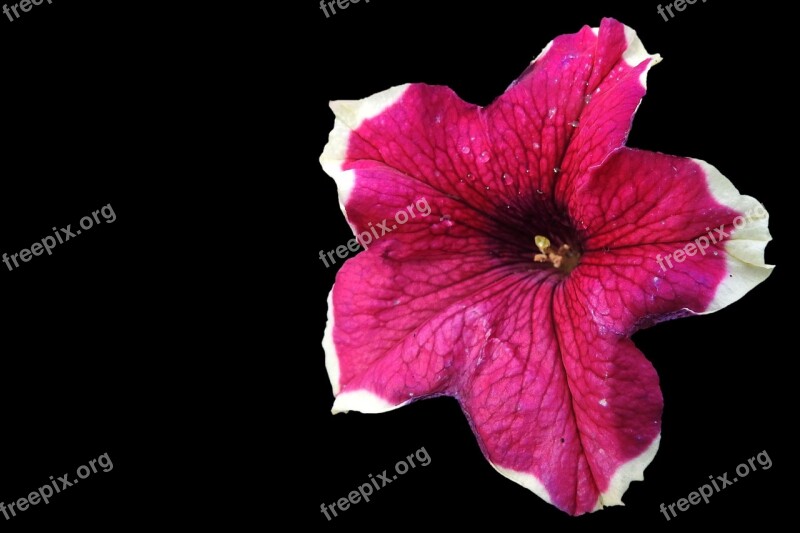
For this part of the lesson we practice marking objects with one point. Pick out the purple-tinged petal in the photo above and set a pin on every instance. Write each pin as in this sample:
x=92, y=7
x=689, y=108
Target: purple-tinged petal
x=636, y=212
x=571, y=108
x=568, y=112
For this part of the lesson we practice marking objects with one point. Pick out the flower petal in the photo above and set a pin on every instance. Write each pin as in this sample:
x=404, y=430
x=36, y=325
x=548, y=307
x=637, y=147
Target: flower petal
x=572, y=107
x=638, y=210
x=396, y=329
x=525, y=374
x=571, y=413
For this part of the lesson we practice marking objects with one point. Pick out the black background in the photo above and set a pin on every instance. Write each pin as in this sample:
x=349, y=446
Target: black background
x=184, y=339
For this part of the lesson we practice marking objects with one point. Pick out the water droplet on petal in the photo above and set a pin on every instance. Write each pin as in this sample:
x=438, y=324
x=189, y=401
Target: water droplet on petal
x=556, y=170
x=507, y=179
x=587, y=98
x=539, y=191
x=484, y=157
x=470, y=176
x=537, y=146
x=575, y=123
x=551, y=113
x=465, y=149
x=438, y=119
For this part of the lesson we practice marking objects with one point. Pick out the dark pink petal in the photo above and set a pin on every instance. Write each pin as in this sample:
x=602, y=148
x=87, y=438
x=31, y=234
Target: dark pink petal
x=503, y=160
x=573, y=106
x=641, y=207
x=561, y=406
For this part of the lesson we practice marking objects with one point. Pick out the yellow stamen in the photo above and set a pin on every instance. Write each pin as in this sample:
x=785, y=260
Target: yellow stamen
x=542, y=243
x=564, y=258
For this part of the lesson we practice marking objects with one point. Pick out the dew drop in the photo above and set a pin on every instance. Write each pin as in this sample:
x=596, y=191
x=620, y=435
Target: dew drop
x=484, y=157
x=486, y=187
x=587, y=98
x=507, y=179
x=575, y=123
x=537, y=146
x=465, y=149
x=539, y=191
x=438, y=119
x=716, y=253
x=556, y=170
x=551, y=113
x=470, y=176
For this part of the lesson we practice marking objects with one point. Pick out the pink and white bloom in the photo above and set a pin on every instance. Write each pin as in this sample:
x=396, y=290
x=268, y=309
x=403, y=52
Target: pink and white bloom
x=518, y=295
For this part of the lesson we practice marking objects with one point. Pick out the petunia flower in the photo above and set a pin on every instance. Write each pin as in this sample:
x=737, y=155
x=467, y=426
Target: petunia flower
x=544, y=251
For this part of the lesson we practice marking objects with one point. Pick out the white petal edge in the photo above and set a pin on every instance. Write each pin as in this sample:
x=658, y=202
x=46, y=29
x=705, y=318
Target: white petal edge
x=529, y=481
x=635, y=53
x=362, y=401
x=358, y=400
x=331, y=357
x=745, y=249
x=350, y=114
x=633, y=470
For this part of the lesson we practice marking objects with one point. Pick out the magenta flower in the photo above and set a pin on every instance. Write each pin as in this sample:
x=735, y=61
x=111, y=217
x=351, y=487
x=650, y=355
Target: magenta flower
x=548, y=244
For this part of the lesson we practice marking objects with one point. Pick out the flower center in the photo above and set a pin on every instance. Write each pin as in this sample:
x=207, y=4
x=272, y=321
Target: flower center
x=564, y=258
